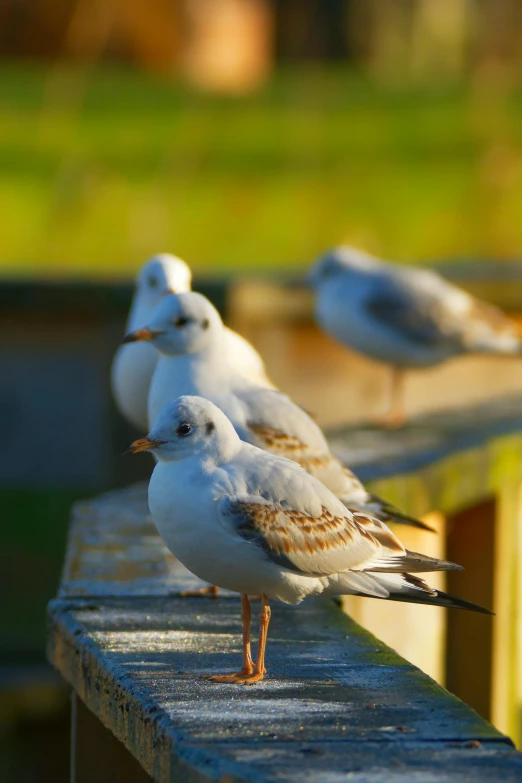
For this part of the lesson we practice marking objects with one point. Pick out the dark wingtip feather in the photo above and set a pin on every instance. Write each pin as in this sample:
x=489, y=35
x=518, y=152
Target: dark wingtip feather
x=459, y=603
x=439, y=598
x=436, y=598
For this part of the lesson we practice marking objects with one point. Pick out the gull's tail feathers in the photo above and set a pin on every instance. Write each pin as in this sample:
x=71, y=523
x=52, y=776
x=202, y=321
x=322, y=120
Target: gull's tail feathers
x=412, y=562
x=401, y=587
x=388, y=513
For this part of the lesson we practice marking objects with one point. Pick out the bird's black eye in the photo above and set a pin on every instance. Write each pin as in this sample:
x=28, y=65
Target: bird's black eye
x=205, y=323
x=179, y=322
x=184, y=430
x=152, y=281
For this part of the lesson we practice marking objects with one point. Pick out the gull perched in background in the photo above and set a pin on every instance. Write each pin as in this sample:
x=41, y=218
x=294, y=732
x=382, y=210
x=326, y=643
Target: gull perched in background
x=134, y=365
x=254, y=523
x=189, y=334
x=402, y=315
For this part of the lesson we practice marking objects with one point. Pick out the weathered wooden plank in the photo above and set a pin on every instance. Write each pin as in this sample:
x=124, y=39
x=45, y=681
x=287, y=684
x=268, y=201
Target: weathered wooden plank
x=114, y=549
x=337, y=700
x=380, y=452
x=444, y=461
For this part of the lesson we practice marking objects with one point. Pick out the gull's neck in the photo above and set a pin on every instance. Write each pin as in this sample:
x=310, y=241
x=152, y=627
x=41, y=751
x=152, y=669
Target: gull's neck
x=223, y=451
x=201, y=373
x=140, y=314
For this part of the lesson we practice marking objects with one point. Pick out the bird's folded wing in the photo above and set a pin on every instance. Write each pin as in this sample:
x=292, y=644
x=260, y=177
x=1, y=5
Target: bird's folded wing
x=486, y=324
x=416, y=316
x=423, y=308
x=276, y=424
x=319, y=545
x=281, y=424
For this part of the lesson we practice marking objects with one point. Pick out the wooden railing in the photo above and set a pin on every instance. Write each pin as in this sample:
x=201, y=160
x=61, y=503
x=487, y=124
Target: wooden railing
x=337, y=701
x=467, y=466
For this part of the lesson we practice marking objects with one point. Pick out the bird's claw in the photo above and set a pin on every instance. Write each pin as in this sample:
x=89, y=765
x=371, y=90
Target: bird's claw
x=238, y=678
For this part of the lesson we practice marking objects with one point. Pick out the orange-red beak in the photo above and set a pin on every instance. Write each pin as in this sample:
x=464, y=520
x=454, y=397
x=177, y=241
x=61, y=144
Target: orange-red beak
x=141, y=335
x=143, y=444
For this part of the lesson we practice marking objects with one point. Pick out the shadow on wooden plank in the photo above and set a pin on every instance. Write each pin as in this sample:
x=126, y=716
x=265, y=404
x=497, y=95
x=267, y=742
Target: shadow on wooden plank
x=99, y=756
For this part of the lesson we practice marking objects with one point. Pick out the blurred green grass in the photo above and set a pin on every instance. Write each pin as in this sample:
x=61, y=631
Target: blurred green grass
x=99, y=169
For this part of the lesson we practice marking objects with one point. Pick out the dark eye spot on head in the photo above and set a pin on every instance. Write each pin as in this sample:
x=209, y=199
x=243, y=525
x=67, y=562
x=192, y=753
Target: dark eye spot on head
x=183, y=430
x=205, y=323
x=153, y=282
x=181, y=321
x=210, y=427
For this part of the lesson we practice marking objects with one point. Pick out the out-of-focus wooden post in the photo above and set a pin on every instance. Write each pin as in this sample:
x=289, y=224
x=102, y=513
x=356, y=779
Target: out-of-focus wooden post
x=227, y=45
x=483, y=666
x=470, y=542
x=506, y=681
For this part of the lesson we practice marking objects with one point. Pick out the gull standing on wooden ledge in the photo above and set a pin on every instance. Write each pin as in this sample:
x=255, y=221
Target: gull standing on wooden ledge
x=404, y=316
x=134, y=365
x=254, y=523
x=189, y=334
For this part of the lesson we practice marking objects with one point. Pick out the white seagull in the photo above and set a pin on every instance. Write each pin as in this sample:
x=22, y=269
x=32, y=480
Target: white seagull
x=254, y=523
x=134, y=365
x=404, y=316
x=189, y=334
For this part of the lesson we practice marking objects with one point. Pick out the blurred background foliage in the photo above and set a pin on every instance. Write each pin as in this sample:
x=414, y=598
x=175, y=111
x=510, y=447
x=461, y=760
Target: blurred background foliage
x=249, y=134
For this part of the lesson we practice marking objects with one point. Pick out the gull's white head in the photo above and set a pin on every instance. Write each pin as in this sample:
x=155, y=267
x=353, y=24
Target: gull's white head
x=342, y=260
x=189, y=426
x=161, y=275
x=181, y=324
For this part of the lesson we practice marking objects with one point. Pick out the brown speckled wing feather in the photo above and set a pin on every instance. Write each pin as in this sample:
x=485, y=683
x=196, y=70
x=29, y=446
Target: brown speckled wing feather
x=319, y=462
x=289, y=446
x=312, y=545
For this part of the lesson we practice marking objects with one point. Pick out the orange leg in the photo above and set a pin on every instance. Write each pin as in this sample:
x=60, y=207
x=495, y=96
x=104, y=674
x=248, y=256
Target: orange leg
x=248, y=663
x=396, y=415
x=250, y=673
x=204, y=592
